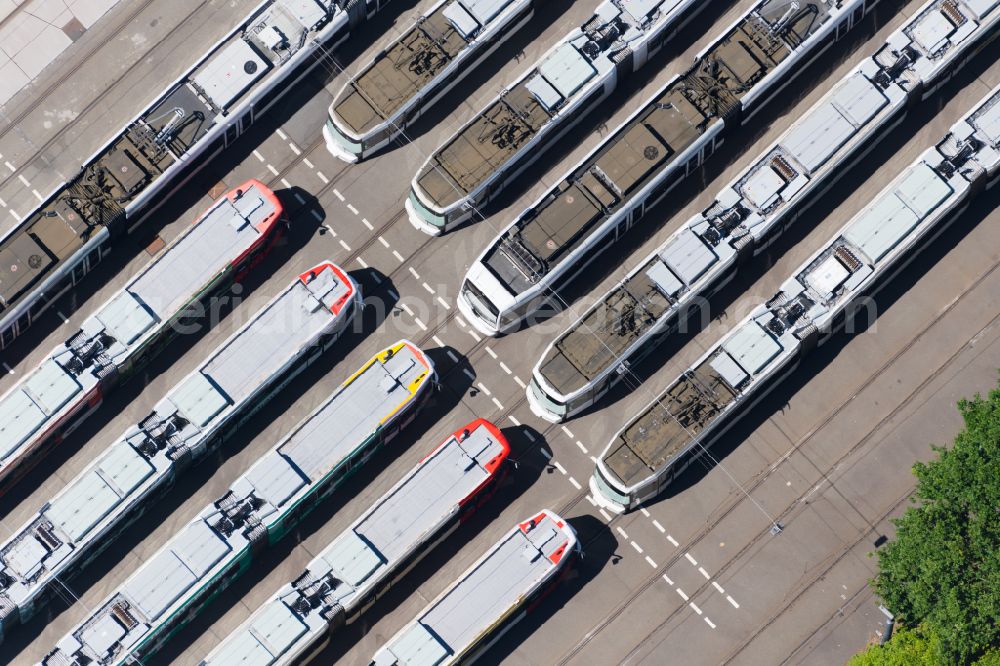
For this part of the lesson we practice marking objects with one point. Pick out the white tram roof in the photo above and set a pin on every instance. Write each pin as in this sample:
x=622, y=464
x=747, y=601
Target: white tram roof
x=261, y=349
x=397, y=521
x=936, y=31
x=884, y=223
x=163, y=286
x=499, y=581
x=195, y=555
x=481, y=11
x=25, y=409
x=831, y=124
x=860, y=253
x=375, y=546
x=225, y=232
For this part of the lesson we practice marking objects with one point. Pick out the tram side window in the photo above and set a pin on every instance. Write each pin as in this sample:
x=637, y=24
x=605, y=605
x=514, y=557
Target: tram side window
x=338, y=474
x=266, y=100
x=232, y=132
x=57, y=289
x=7, y=336
x=23, y=322
x=38, y=304
x=79, y=271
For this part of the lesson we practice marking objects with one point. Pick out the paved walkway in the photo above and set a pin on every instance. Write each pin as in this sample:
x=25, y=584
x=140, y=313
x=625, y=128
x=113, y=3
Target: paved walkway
x=33, y=33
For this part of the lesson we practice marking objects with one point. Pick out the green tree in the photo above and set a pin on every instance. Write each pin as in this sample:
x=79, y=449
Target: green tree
x=907, y=647
x=912, y=647
x=943, y=568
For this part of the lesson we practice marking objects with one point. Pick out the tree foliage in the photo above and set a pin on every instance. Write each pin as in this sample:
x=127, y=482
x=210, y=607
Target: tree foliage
x=942, y=570
x=907, y=647
x=912, y=647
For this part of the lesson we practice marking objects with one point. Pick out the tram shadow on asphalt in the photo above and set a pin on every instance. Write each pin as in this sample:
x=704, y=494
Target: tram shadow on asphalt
x=519, y=479
x=426, y=422
x=928, y=254
x=600, y=548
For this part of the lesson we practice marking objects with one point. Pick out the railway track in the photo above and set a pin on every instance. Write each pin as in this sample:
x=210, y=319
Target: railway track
x=796, y=505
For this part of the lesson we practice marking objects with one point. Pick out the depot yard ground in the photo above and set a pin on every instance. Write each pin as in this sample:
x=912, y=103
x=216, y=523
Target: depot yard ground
x=697, y=576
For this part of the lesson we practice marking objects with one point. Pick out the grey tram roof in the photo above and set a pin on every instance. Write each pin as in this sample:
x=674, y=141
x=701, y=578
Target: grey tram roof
x=224, y=384
x=698, y=254
x=650, y=142
x=398, y=74
x=512, y=569
x=861, y=253
x=124, y=169
x=148, y=301
x=373, y=548
x=205, y=546
x=227, y=230
x=500, y=132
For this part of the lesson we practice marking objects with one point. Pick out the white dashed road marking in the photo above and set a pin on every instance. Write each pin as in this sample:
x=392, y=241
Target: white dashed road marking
x=673, y=541
x=690, y=559
x=637, y=547
x=709, y=623
x=732, y=601
x=681, y=592
x=319, y=174
x=576, y=484
x=337, y=194
x=658, y=526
